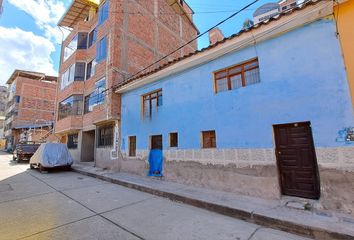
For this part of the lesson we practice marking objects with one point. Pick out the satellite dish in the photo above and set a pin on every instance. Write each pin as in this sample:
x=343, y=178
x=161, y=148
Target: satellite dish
x=266, y=8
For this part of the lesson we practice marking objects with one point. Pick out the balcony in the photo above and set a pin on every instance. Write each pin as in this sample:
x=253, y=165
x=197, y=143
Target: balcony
x=68, y=124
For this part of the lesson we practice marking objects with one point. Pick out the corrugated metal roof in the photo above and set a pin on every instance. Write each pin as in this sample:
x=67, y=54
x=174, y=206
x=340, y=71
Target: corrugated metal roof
x=256, y=26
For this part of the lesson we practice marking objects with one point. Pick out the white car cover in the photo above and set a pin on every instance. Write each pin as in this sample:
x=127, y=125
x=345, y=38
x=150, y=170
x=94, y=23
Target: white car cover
x=52, y=155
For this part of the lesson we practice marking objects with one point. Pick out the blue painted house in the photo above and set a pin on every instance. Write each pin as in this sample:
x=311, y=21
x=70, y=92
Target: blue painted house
x=263, y=113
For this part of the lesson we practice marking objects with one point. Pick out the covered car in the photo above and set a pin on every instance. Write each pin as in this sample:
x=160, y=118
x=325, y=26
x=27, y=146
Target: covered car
x=51, y=155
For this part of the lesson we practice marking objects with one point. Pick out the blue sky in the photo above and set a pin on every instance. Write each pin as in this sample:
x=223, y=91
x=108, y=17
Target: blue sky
x=30, y=40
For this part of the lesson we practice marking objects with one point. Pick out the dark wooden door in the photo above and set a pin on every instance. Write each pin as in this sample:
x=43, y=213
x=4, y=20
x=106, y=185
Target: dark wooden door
x=297, y=162
x=156, y=142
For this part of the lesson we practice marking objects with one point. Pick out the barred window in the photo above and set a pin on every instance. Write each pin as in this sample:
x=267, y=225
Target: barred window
x=105, y=136
x=237, y=76
x=72, y=141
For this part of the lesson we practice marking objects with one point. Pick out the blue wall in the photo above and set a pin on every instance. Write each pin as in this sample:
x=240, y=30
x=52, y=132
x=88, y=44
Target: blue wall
x=302, y=79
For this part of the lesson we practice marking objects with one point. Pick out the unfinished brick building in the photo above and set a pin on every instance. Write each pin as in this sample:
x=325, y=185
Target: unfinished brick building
x=30, y=107
x=109, y=42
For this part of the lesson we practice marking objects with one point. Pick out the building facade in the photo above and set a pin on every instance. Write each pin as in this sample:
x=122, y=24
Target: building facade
x=344, y=13
x=265, y=120
x=30, y=106
x=3, y=102
x=110, y=41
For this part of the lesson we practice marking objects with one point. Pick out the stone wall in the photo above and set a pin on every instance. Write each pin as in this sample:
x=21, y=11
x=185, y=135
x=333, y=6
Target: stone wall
x=252, y=172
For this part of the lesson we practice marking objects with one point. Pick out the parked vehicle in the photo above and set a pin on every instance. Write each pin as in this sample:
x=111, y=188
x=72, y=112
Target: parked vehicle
x=51, y=155
x=24, y=151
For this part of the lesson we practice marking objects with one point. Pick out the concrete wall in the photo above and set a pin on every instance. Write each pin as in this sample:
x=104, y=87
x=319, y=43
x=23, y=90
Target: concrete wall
x=302, y=79
x=76, y=153
x=104, y=159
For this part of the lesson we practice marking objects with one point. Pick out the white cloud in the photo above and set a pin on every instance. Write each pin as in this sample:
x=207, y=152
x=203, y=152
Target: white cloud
x=46, y=14
x=24, y=50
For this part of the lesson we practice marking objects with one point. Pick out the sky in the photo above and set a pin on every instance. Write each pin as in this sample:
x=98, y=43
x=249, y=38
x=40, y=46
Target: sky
x=31, y=40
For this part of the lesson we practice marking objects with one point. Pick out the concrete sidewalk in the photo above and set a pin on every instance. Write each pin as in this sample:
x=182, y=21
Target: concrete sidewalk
x=269, y=213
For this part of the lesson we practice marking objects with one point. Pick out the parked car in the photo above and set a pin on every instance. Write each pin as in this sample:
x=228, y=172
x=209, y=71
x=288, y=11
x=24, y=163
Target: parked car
x=51, y=155
x=24, y=151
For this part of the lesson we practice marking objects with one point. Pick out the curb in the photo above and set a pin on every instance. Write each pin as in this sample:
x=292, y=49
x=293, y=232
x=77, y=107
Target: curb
x=288, y=226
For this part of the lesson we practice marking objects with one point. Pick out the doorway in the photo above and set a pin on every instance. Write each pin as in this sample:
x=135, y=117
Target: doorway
x=155, y=156
x=156, y=142
x=297, y=161
x=88, y=146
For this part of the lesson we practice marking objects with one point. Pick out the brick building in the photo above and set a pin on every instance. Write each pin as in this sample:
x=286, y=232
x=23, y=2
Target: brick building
x=108, y=43
x=30, y=106
x=3, y=101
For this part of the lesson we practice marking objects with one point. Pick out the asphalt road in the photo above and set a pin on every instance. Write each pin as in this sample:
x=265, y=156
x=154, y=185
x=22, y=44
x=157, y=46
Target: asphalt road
x=66, y=205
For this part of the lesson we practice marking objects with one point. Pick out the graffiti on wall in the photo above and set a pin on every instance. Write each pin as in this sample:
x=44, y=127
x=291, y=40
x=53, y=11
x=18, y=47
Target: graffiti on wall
x=346, y=135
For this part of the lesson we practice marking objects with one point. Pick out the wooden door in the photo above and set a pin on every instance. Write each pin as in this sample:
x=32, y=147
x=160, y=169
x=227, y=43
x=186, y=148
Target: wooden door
x=156, y=142
x=297, y=162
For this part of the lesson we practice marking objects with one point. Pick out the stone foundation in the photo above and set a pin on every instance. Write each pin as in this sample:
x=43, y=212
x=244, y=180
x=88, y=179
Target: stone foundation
x=252, y=172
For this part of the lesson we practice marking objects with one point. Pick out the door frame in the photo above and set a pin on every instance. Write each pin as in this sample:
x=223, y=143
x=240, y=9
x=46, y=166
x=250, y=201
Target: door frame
x=316, y=175
x=151, y=141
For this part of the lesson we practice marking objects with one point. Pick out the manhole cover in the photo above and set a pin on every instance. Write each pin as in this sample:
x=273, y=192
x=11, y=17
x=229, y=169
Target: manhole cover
x=5, y=187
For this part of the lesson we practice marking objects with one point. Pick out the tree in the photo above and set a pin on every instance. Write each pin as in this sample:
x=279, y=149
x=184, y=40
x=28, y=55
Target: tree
x=247, y=23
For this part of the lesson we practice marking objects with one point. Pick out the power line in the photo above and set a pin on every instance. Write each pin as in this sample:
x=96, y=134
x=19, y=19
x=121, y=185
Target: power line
x=106, y=92
x=192, y=40
x=254, y=38
x=251, y=41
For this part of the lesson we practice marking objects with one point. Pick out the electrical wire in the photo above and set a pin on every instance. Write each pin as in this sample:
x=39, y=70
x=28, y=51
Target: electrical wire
x=189, y=42
x=106, y=92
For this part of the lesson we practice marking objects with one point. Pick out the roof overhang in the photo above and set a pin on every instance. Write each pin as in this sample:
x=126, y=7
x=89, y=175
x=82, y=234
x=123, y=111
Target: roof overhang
x=263, y=31
x=78, y=10
x=33, y=126
x=31, y=75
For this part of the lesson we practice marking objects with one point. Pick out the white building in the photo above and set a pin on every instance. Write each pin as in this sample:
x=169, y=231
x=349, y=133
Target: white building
x=265, y=12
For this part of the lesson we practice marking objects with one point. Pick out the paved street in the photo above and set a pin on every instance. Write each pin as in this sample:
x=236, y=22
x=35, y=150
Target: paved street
x=67, y=205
